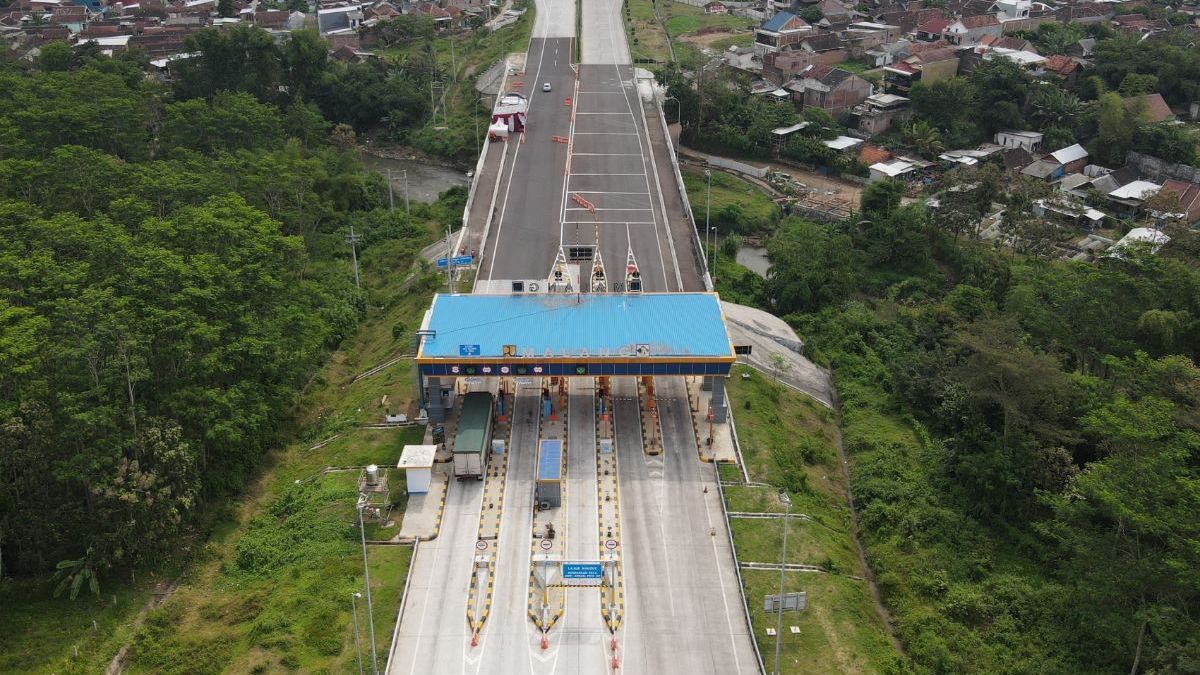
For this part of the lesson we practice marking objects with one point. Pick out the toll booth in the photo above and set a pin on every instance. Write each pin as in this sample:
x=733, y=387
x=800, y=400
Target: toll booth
x=549, y=474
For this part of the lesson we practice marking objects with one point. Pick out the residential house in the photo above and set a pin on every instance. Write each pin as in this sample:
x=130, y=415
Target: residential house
x=1152, y=106
x=1008, y=42
x=1072, y=158
x=872, y=154
x=1064, y=68
x=876, y=114
x=1046, y=169
x=1029, y=141
x=779, y=31
x=831, y=89
x=1064, y=209
x=970, y=29
x=715, y=7
x=1082, y=49
x=339, y=18
x=927, y=66
x=933, y=29
x=1148, y=236
x=1129, y=199
x=1189, y=198
x=894, y=168
x=827, y=45
x=1013, y=9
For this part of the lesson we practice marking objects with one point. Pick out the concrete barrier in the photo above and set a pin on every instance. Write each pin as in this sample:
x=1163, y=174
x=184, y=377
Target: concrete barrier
x=687, y=205
x=400, y=612
x=741, y=167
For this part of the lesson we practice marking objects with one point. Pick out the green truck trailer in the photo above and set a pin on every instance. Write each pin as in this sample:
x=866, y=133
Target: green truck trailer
x=474, y=435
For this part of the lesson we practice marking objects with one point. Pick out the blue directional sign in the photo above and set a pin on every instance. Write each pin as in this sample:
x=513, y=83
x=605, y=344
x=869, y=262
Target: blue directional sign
x=468, y=350
x=457, y=261
x=582, y=570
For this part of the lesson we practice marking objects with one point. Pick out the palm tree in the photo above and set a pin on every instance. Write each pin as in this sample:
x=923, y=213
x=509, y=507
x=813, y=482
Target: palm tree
x=924, y=138
x=74, y=574
x=1055, y=107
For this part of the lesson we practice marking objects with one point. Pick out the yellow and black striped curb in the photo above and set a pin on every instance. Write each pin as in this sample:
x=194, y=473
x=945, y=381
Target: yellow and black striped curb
x=491, y=475
x=437, y=521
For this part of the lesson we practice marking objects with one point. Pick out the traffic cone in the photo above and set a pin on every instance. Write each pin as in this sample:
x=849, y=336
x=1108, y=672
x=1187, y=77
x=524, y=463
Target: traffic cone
x=475, y=639
x=545, y=642
x=613, y=644
x=616, y=663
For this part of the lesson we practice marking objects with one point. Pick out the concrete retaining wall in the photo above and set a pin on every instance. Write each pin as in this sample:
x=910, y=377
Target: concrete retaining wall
x=1157, y=169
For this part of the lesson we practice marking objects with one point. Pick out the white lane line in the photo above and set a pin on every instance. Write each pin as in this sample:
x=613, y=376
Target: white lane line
x=597, y=192
x=574, y=208
x=600, y=113
x=606, y=154
x=662, y=202
x=606, y=133
x=608, y=174
x=607, y=222
x=516, y=155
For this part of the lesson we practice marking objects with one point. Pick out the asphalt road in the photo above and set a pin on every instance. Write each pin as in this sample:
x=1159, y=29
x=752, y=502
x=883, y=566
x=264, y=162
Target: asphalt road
x=683, y=605
x=521, y=242
x=434, y=631
x=581, y=635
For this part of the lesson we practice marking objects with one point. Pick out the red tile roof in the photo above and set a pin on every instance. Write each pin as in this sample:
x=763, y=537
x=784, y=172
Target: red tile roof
x=1063, y=65
x=872, y=154
x=981, y=21
x=934, y=26
x=1155, y=109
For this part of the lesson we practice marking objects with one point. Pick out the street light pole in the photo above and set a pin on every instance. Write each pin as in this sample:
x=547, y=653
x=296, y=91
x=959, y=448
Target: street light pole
x=783, y=497
x=407, y=210
x=708, y=221
x=357, y=644
x=362, y=531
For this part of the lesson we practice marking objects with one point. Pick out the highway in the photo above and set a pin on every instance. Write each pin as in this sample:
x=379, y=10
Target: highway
x=683, y=605
x=509, y=642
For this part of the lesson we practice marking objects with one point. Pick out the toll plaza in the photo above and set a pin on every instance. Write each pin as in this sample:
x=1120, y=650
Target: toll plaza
x=572, y=335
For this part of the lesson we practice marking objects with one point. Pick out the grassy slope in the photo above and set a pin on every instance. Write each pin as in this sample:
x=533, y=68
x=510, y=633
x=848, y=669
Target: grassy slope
x=840, y=631
x=727, y=189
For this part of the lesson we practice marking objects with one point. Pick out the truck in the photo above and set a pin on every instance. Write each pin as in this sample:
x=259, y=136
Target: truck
x=474, y=435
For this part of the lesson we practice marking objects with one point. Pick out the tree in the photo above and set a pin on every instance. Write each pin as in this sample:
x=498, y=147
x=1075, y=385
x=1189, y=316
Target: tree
x=881, y=198
x=811, y=266
x=225, y=8
x=55, y=56
x=922, y=137
x=1055, y=107
x=1115, y=133
x=811, y=14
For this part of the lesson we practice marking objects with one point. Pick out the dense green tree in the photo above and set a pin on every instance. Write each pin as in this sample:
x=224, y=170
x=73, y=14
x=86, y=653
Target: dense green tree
x=811, y=266
x=1115, y=132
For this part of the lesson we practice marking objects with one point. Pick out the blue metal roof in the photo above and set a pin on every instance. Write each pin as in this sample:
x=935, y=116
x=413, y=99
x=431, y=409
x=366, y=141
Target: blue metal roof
x=778, y=21
x=678, y=325
x=550, y=460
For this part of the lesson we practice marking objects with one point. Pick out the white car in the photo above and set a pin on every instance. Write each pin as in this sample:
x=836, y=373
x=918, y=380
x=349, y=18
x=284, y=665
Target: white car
x=546, y=86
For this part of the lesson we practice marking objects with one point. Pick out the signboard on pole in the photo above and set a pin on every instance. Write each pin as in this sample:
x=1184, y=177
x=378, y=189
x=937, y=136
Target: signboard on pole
x=792, y=602
x=582, y=570
x=461, y=260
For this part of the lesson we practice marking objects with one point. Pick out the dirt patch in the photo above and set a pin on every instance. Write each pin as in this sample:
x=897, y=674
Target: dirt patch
x=705, y=39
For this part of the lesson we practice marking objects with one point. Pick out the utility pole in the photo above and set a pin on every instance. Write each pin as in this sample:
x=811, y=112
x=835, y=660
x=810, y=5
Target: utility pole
x=353, y=240
x=357, y=643
x=367, y=578
x=391, y=198
x=783, y=497
x=407, y=210
x=453, y=62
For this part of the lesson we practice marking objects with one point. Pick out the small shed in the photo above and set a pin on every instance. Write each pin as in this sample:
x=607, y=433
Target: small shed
x=549, y=473
x=417, y=463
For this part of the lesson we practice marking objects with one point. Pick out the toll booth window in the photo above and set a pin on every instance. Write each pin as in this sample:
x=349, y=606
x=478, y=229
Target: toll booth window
x=518, y=286
x=522, y=370
x=470, y=370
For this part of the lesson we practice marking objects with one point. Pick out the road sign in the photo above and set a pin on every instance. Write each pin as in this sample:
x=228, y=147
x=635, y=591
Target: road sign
x=461, y=260
x=468, y=350
x=442, y=263
x=611, y=544
x=582, y=570
x=546, y=544
x=792, y=602
x=481, y=545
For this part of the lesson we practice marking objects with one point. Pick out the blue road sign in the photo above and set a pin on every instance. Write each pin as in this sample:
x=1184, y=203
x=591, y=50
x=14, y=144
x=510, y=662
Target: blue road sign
x=458, y=261
x=582, y=570
x=468, y=350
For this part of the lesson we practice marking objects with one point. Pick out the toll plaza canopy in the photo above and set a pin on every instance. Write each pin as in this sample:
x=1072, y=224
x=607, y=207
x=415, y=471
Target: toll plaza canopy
x=575, y=334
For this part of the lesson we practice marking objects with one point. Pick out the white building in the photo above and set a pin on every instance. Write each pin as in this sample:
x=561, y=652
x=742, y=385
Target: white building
x=417, y=463
x=1030, y=141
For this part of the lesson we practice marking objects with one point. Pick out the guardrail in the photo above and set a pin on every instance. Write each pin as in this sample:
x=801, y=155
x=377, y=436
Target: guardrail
x=687, y=205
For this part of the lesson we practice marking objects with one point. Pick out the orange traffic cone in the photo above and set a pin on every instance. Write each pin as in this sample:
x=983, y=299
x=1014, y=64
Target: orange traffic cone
x=475, y=639
x=545, y=642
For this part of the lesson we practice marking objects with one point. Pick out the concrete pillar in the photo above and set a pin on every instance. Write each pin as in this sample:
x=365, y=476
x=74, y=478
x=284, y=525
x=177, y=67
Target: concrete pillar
x=720, y=408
